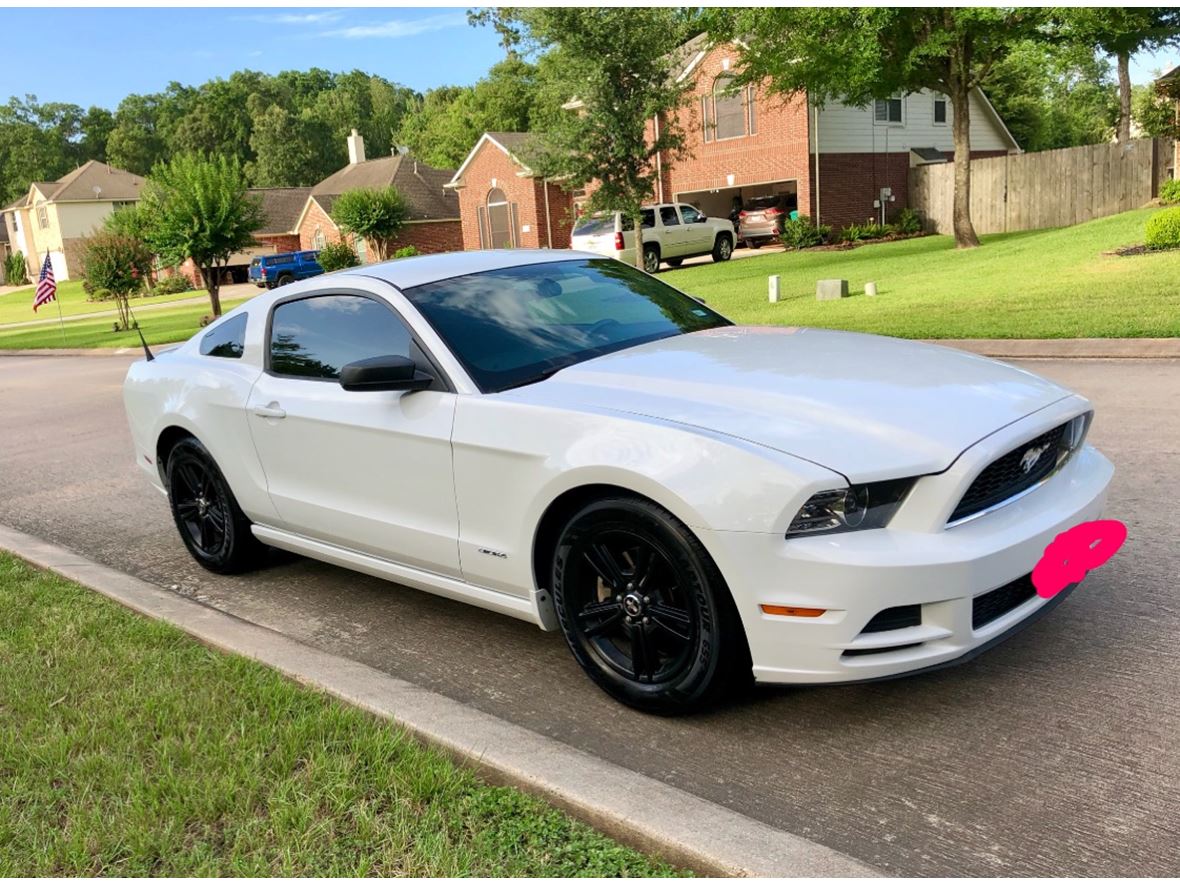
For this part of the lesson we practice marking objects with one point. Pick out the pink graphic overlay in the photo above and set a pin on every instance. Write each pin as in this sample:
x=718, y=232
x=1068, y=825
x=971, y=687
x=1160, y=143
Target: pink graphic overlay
x=1075, y=552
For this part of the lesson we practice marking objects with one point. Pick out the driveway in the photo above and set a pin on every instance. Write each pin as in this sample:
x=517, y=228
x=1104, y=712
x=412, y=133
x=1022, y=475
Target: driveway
x=1054, y=754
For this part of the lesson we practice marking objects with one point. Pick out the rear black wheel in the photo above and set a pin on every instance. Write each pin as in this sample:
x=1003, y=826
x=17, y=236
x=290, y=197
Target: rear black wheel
x=651, y=259
x=285, y=279
x=211, y=524
x=722, y=248
x=644, y=609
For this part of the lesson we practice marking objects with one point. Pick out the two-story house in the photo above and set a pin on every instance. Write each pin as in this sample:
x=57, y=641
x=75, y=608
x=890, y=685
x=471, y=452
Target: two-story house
x=836, y=163
x=55, y=217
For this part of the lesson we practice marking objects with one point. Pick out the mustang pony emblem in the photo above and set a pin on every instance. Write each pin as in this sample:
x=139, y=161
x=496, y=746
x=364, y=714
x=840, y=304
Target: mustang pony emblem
x=1030, y=458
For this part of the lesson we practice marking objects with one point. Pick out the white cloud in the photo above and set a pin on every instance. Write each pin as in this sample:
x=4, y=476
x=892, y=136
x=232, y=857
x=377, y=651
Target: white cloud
x=400, y=27
x=293, y=18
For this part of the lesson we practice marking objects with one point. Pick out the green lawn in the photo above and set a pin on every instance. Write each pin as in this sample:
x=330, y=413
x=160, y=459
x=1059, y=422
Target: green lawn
x=1036, y=284
x=159, y=327
x=17, y=306
x=129, y=749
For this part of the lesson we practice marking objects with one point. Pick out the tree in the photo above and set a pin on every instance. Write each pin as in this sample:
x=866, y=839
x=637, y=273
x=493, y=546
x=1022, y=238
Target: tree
x=615, y=62
x=1122, y=31
x=1153, y=108
x=290, y=150
x=119, y=264
x=1054, y=95
x=199, y=208
x=860, y=54
x=375, y=215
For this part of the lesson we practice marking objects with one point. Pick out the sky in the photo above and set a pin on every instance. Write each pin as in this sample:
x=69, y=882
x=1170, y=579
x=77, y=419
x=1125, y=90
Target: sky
x=97, y=56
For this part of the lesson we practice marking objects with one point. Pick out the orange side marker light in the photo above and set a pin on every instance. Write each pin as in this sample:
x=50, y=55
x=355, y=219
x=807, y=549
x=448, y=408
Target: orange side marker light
x=792, y=611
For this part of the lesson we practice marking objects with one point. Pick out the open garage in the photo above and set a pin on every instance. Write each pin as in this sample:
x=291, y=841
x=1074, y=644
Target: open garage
x=719, y=202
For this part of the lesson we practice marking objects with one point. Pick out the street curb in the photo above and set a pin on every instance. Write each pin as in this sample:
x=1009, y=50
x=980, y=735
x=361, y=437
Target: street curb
x=1000, y=348
x=634, y=809
x=1067, y=348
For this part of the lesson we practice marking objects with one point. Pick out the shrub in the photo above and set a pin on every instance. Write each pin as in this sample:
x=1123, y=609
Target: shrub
x=908, y=222
x=172, y=285
x=800, y=233
x=118, y=263
x=1163, y=229
x=337, y=256
x=99, y=294
x=14, y=270
x=870, y=230
x=405, y=252
x=1170, y=192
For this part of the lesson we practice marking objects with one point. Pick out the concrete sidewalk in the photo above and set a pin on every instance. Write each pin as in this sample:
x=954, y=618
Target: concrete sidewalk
x=637, y=810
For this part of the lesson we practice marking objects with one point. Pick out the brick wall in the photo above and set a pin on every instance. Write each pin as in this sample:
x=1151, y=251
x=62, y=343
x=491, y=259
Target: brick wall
x=848, y=184
x=281, y=242
x=778, y=149
x=316, y=217
x=429, y=237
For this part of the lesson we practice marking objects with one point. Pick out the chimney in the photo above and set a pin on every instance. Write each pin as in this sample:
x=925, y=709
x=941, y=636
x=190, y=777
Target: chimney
x=356, y=148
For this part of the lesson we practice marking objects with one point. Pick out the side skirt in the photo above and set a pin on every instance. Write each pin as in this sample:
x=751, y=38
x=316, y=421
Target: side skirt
x=525, y=609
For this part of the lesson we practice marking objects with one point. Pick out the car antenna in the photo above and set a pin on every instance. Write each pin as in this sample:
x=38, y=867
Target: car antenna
x=147, y=351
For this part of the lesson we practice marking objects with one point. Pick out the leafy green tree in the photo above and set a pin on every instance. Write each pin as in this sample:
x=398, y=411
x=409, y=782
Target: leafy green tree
x=863, y=53
x=290, y=150
x=196, y=207
x=376, y=215
x=1121, y=31
x=619, y=60
x=1054, y=96
x=1154, y=110
x=139, y=138
x=43, y=141
x=337, y=256
x=119, y=264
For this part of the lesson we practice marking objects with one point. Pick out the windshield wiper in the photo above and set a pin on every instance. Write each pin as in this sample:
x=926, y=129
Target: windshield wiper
x=540, y=376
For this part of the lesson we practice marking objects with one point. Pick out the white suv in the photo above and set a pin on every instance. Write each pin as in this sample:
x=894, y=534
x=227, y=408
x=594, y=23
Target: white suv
x=671, y=233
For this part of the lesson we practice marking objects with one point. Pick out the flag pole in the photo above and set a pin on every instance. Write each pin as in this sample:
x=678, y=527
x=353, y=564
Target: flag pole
x=61, y=320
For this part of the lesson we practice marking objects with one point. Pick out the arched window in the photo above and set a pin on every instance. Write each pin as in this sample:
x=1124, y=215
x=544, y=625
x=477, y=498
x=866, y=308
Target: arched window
x=730, y=116
x=501, y=229
x=317, y=240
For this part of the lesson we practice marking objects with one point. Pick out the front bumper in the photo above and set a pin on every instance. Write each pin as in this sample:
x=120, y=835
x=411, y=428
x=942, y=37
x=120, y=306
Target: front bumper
x=856, y=575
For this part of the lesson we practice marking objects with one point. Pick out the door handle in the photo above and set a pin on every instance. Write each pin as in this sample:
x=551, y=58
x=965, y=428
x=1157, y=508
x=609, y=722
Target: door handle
x=271, y=410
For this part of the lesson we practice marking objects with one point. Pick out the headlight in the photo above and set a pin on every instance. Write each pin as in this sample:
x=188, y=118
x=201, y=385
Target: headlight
x=868, y=506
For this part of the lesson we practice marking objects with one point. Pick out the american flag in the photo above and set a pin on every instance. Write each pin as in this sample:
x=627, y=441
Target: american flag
x=46, y=285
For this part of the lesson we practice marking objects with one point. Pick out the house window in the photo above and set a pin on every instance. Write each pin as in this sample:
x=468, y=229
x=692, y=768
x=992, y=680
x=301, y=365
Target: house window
x=42, y=217
x=727, y=108
x=317, y=239
x=888, y=111
x=501, y=228
x=751, y=111
x=940, y=110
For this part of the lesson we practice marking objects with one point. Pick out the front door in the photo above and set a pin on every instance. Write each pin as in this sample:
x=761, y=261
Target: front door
x=370, y=471
x=698, y=233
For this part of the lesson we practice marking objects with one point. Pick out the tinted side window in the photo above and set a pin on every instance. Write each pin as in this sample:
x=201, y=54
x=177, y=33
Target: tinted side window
x=227, y=340
x=690, y=215
x=668, y=216
x=314, y=337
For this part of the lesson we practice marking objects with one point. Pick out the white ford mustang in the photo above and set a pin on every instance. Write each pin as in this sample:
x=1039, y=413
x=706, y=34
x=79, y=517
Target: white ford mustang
x=561, y=438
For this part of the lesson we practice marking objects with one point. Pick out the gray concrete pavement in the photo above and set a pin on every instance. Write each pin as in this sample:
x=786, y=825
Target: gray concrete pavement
x=1054, y=754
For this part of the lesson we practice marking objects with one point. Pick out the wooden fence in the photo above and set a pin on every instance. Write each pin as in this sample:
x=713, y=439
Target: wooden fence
x=1044, y=189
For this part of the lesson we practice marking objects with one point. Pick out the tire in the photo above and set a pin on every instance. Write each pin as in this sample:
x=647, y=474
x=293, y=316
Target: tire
x=651, y=259
x=284, y=279
x=722, y=248
x=211, y=524
x=644, y=610
x=753, y=244
x=675, y=262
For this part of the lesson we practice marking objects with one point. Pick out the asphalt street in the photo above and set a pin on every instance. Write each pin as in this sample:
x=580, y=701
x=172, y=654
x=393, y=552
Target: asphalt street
x=1053, y=754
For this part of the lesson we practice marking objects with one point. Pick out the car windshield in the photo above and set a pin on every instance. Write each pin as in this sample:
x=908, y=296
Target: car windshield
x=757, y=204
x=516, y=325
x=594, y=224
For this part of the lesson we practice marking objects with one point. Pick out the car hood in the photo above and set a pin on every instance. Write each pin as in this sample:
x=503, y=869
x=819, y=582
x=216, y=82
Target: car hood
x=866, y=406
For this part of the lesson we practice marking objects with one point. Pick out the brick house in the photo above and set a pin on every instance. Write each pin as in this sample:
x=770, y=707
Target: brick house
x=281, y=209
x=503, y=205
x=433, y=224
x=836, y=163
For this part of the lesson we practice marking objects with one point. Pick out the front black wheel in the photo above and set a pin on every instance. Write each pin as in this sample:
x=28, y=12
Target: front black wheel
x=207, y=515
x=644, y=610
x=722, y=248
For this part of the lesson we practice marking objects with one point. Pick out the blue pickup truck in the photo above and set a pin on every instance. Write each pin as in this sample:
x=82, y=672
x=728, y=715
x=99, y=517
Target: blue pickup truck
x=286, y=267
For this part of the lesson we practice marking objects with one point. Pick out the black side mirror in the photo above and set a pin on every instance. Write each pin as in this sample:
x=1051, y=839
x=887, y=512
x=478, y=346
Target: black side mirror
x=384, y=373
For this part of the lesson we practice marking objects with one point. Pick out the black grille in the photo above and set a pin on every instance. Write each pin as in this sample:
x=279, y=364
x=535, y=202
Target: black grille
x=1005, y=476
x=896, y=618
x=998, y=602
x=859, y=652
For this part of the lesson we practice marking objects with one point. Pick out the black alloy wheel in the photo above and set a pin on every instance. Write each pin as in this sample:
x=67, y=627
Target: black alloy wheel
x=643, y=608
x=211, y=524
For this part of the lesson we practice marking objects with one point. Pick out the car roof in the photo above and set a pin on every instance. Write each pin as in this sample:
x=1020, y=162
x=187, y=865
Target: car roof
x=405, y=273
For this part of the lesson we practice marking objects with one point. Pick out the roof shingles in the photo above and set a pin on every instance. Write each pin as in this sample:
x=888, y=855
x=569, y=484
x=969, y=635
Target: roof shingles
x=420, y=185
